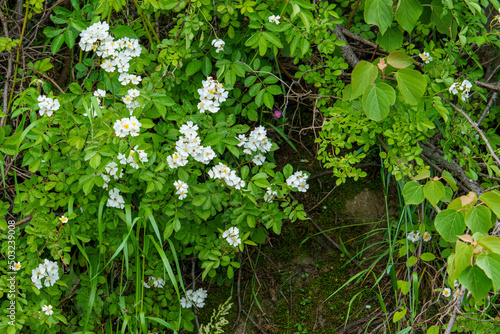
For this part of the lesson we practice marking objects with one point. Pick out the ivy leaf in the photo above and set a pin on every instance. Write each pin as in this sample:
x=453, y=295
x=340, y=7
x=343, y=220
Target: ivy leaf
x=450, y=223
x=476, y=281
x=490, y=263
x=407, y=13
x=478, y=219
x=377, y=100
x=379, y=12
x=363, y=75
x=411, y=84
x=434, y=191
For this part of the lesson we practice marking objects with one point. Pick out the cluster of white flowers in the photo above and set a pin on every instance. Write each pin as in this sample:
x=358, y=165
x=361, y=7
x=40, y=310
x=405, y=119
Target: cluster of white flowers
x=270, y=195
x=414, y=237
x=298, y=180
x=257, y=142
x=194, y=297
x=182, y=189
x=48, y=270
x=157, y=282
x=143, y=157
x=221, y=171
x=127, y=126
x=211, y=95
x=111, y=170
x=232, y=236
x=426, y=57
x=90, y=37
x=219, y=44
x=117, y=53
x=130, y=100
x=447, y=291
x=115, y=200
x=190, y=145
x=463, y=88
x=47, y=309
x=274, y=19
x=426, y=237
x=47, y=105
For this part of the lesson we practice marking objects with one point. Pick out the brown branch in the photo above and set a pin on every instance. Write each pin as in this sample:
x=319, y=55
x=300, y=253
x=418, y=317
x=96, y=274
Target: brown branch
x=474, y=125
x=24, y=220
x=43, y=75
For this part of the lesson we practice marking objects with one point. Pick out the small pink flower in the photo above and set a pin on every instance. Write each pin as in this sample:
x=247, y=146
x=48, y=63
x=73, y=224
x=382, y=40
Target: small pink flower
x=277, y=113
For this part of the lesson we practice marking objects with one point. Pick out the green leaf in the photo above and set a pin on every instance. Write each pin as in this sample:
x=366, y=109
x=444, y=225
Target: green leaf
x=212, y=139
x=363, y=75
x=462, y=258
x=198, y=200
x=476, y=281
x=404, y=286
x=377, y=100
x=411, y=84
x=95, y=161
x=478, y=219
x=391, y=40
x=268, y=100
x=399, y=59
x=75, y=88
x=274, y=89
x=56, y=44
x=413, y=193
x=121, y=31
x=206, y=66
x=490, y=263
x=273, y=39
x=450, y=180
x=434, y=191
x=433, y=330
x=492, y=200
x=379, y=12
x=440, y=21
x=69, y=38
x=449, y=224
x=262, y=46
x=491, y=243
x=407, y=13
x=193, y=67
x=399, y=315
x=427, y=257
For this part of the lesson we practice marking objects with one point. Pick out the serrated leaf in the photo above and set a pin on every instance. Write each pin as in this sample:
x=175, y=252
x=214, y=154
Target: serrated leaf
x=462, y=258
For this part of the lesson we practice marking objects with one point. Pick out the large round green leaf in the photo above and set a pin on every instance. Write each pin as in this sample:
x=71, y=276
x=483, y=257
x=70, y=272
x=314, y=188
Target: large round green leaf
x=407, y=13
x=476, y=281
x=379, y=12
x=399, y=59
x=478, y=219
x=492, y=200
x=363, y=75
x=413, y=193
x=434, y=191
x=490, y=263
x=411, y=84
x=377, y=99
x=449, y=224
